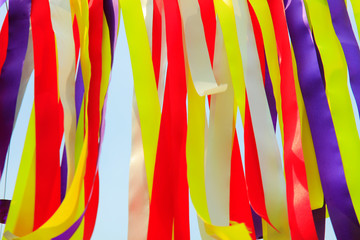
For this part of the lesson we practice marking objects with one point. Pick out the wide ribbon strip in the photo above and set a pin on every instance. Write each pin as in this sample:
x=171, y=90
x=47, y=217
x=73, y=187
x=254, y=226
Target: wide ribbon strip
x=47, y=114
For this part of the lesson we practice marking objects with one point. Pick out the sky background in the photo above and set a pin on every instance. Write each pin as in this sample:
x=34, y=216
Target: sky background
x=112, y=220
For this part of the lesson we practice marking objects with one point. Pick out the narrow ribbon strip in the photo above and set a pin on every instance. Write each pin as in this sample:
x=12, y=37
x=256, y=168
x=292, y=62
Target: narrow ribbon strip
x=139, y=200
x=252, y=167
x=93, y=112
x=19, y=24
x=346, y=36
x=4, y=209
x=4, y=37
x=144, y=83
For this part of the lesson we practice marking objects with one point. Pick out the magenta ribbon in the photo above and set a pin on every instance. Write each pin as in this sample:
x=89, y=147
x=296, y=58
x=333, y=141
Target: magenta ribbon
x=330, y=166
x=19, y=24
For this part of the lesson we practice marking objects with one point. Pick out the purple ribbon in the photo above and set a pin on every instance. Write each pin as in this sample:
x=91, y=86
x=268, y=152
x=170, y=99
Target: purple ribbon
x=71, y=230
x=79, y=93
x=345, y=34
x=2, y=2
x=270, y=95
x=64, y=170
x=331, y=171
x=19, y=24
x=110, y=18
x=257, y=224
x=4, y=210
x=319, y=220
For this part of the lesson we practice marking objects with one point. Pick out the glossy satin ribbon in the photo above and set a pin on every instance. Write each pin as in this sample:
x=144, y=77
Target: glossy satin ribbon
x=252, y=167
x=144, y=83
x=337, y=92
x=169, y=202
x=47, y=114
x=331, y=171
x=62, y=24
x=264, y=133
x=345, y=34
x=236, y=53
x=343, y=29
x=299, y=210
x=93, y=111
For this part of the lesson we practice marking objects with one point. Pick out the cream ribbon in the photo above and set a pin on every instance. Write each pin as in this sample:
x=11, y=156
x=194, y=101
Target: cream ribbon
x=267, y=147
x=198, y=57
x=62, y=25
x=220, y=140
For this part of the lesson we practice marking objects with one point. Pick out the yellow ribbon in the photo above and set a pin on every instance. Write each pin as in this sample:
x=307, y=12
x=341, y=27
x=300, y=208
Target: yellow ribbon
x=335, y=70
x=144, y=82
x=20, y=219
x=225, y=13
x=195, y=152
x=356, y=9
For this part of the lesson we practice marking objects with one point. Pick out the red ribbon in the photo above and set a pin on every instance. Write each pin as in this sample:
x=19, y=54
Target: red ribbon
x=47, y=114
x=252, y=167
x=156, y=37
x=169, y=207
x=93, y=110
x=4, y=37
x=299, y=211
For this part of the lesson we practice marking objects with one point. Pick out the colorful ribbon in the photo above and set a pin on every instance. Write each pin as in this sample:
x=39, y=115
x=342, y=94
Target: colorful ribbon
x=239, y=55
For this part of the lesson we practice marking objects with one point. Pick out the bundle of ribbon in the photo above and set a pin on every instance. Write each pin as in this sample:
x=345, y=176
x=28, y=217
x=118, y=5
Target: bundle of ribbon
x=293, y=62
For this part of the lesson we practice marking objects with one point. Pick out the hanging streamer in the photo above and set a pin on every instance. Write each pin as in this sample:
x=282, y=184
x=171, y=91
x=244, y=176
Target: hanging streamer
x=47, y=115
x=18, y=32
